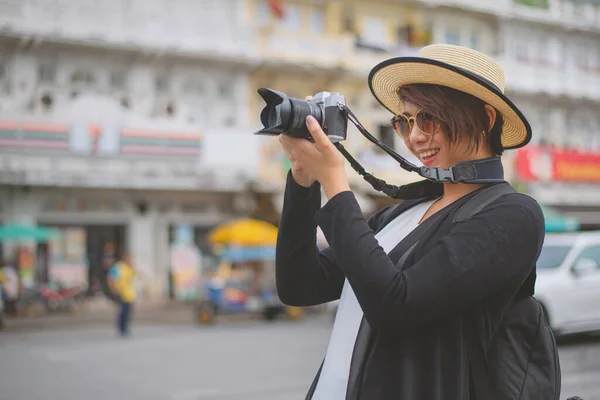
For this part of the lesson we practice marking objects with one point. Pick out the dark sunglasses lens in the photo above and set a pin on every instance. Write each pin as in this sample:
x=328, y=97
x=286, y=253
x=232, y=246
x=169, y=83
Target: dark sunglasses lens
x=401, y=126
x=427, y=122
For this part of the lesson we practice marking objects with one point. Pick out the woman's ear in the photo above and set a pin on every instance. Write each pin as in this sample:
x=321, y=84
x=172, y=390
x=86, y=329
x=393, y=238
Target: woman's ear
x=491, y=113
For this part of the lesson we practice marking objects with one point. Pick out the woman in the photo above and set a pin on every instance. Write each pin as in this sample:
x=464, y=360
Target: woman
x=449, y=107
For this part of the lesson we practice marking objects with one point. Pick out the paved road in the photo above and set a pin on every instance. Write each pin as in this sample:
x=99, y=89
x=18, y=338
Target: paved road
x=233, y=360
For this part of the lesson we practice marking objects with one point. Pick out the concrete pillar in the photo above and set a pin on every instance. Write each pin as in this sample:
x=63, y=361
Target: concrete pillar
x=142, y=240
x=162, y=258
x=21, y=207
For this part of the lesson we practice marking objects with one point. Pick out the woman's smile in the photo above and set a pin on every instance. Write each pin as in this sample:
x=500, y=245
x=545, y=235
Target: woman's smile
x=428, y=156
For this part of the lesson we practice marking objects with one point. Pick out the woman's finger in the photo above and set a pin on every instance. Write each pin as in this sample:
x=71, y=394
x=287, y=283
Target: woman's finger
x=287, y=149
x=322, y=141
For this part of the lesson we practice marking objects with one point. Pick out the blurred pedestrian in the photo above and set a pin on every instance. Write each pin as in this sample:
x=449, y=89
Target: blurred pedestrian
x=121, y=281
x=9, y=280
x=413, y=284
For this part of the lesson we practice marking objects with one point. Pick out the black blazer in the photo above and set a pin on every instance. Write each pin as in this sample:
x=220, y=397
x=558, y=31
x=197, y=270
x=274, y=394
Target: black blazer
x=411, y=343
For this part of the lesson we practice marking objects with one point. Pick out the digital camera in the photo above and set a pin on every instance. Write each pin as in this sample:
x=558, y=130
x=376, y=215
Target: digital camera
x=287, y=115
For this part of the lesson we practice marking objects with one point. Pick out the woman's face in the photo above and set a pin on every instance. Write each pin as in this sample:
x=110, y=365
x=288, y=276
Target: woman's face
x=436, y=150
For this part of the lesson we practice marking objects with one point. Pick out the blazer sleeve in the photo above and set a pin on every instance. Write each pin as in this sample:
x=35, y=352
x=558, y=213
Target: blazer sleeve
x=494, y=249
x=305, y=276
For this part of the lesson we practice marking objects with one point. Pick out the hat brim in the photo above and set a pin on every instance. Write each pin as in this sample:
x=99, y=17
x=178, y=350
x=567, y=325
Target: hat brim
x=387, y=77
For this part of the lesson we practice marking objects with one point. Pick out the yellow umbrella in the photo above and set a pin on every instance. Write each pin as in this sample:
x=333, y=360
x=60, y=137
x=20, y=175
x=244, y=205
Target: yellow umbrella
x=244, y=232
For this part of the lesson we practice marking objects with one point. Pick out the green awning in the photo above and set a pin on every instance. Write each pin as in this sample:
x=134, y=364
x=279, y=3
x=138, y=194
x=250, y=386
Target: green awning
x=18, y=232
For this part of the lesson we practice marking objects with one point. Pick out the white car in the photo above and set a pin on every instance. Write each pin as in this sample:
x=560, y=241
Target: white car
x=568, y=281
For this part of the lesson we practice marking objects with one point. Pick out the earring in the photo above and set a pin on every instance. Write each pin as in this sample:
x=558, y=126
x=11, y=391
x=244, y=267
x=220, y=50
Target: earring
x=483, y=133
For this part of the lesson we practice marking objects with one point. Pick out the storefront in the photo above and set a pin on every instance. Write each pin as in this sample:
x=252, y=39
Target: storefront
x=98, y=226
x=82, y=254
x=566, y=180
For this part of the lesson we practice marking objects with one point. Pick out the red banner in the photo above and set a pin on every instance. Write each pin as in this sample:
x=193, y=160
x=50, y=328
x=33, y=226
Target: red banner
x=540, y=164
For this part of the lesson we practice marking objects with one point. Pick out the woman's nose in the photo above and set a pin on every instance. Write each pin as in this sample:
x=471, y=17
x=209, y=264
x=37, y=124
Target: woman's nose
x=416, y=136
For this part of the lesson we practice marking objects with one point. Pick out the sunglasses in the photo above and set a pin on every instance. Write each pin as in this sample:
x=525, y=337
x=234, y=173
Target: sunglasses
x=426, y=122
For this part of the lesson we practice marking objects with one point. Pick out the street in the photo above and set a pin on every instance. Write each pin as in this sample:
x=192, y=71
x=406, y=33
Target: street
x=233, y=360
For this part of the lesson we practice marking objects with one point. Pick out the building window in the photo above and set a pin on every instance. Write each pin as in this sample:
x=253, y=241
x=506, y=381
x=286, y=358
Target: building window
x=521, y=51
x=578, y=10
x=593, y=61
x=4, y=78
x=118, y=79
x=291, y=18
x=348, y=21
x=317, y=21
x=543, y=4
x=161, y=82
x=225, y=91
x=595, y=135
x=262, y=13
x=46, y=72
x=84, y=78
x=229, y=120
x=415, y=35
x=194, y=87
x=474, y=41
x=585, y=58
x=374, y=31
x=452, y=36
x=541, y=46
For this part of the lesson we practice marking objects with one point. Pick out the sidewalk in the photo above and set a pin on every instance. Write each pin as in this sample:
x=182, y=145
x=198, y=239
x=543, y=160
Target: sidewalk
x=102, y=312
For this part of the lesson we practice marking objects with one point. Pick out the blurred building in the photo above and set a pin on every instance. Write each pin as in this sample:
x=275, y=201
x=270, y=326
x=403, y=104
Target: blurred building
x=120, y=120
x=123, y=119
x=312, y=46
x=550, y=50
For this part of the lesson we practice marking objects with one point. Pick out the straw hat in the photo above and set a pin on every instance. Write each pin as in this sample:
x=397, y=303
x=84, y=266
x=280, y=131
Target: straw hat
x=456, y=67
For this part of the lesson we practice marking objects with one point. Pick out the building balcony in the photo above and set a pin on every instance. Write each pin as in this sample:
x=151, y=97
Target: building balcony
x=343, y=53
x=363, y=58
x=291, y=48
x=582, y=15
x=532, y=78
x=160, y=26
x=492, y=7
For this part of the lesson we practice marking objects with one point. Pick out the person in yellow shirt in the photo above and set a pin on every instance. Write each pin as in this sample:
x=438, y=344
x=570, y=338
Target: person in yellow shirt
x=121, y=279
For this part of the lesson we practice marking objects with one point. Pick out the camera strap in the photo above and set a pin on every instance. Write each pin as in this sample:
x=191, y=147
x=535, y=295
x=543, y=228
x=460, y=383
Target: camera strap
x=487, y=170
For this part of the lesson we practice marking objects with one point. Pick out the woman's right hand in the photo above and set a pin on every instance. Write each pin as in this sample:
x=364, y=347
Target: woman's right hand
x=299, y=173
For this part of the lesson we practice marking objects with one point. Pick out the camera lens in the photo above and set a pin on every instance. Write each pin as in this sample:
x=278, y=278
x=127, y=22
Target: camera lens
x=295, y=120
x=273, y=116
x=287, y=115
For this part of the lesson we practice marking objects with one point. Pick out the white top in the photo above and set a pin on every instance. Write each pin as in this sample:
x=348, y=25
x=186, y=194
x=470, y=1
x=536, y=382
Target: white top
x=334, y=375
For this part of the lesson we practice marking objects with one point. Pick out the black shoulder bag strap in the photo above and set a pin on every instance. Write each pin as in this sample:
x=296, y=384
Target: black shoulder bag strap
x=477, y=358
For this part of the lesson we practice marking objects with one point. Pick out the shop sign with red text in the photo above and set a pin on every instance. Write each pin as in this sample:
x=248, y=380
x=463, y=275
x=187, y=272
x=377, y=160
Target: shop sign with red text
x=542, y=164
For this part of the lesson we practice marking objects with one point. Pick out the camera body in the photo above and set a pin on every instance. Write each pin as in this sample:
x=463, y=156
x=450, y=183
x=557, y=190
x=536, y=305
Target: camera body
x=335, y=123
x=287, y=115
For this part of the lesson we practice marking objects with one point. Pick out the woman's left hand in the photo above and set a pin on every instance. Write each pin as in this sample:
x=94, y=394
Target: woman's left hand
x=321, y=158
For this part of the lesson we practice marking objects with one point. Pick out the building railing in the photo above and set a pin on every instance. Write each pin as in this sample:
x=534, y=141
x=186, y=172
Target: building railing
x=157, y=25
